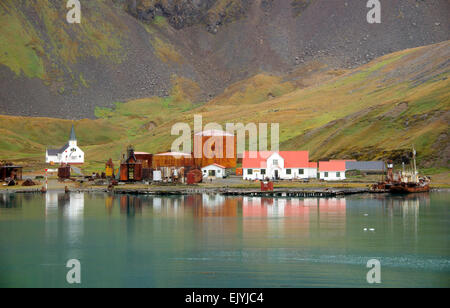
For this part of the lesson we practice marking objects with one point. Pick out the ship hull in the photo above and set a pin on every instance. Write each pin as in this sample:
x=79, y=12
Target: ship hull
x=408, y=188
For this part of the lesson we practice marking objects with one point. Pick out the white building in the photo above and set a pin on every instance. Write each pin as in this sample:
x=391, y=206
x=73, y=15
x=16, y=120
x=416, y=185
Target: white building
x=69, y=153
x=332, y=170
x=214, y=171
x=284, y=165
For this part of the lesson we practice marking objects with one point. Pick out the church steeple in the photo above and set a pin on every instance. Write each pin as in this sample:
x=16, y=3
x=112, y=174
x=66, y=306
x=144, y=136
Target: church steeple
x=73, y=138
x=72, y=134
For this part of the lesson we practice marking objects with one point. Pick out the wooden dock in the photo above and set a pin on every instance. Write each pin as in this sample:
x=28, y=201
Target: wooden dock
x=294, y=193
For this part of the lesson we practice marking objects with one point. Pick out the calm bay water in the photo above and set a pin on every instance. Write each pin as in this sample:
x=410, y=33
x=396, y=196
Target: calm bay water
x=216, y=241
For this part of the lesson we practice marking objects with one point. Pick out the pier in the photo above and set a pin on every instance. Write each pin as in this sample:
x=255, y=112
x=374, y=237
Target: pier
x=293, y=193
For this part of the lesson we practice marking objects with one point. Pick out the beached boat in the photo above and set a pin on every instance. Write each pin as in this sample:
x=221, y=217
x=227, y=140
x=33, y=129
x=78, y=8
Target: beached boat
x=405, y=188
x=410, y=181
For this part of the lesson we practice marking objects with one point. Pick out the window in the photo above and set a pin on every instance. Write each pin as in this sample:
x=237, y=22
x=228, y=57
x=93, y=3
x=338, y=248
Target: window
x=301, y=171
x=218, y=171
x=212, y=172
x=288, y=171
x=326, y=174
x=275, y=162
x=249, y=171
x=338, y=174
x=263, y=171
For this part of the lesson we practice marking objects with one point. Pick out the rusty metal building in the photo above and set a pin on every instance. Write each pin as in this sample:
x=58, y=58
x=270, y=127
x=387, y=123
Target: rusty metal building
x=10, y=171
x=172, y=159
x=215, y=147
x=147, y=162
x=130, y=167
x=173, y=165
x=64, y=171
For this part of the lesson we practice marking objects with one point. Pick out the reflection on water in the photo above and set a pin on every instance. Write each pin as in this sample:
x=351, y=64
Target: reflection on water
x=258, y=213
x=204, y=205
x=209, y=240
x=65, y=221
x=69, y=205
x=8, y=200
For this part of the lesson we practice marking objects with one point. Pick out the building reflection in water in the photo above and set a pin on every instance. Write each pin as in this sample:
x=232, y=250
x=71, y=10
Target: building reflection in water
x=214, y=205
x=109, y=203
x=263, y=218
x=64, y=215
x=168, y=206
x=332, y=216
x=272, y=218
x=10, y=200
x=130, y=205
x=295, y=207
x=407, y=207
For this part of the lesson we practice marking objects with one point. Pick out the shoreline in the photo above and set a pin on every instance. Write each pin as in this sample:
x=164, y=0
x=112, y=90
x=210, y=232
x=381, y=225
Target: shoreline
x=317, y=191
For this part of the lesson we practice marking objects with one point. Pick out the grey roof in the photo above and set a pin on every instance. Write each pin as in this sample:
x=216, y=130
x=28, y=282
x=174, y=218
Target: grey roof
x=72, y=134
x=365, y=165
x=54, y=152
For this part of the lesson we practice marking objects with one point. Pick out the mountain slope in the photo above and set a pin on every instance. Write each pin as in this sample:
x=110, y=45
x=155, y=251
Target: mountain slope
x=132, y=49
x=376, y=111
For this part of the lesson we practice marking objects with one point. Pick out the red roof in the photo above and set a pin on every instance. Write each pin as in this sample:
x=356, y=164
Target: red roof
x=292, y=159
x=217, y=165
x=312, y=165
x=255, y=159
x=334, y=165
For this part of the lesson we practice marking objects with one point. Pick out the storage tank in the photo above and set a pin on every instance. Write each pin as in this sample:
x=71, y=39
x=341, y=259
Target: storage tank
x=211, y=147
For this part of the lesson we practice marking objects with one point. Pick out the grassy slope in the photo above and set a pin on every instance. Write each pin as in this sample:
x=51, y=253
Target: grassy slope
x=376, y=111
x=37, y=42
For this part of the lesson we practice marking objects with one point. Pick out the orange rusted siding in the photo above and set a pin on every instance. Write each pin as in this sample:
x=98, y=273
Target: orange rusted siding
x=145, y=158
x=219, y=150
x=171, y=161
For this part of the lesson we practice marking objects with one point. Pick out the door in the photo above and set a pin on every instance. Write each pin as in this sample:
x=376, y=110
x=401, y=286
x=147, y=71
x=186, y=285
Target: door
x=276, y=174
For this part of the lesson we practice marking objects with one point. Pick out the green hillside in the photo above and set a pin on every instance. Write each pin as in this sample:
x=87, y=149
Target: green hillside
x=47, y=46
x=376, y=111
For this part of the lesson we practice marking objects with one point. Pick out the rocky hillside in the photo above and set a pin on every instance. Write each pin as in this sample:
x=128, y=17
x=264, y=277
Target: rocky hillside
x=132, y=49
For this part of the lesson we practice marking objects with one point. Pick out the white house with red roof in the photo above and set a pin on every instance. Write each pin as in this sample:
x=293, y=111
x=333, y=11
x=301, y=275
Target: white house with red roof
x=283, y=165
x=213, y=171
x=333, y=170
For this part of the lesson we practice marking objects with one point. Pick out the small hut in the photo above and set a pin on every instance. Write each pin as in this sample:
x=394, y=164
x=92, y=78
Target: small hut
x=8, y=171
x=64, y=171
x=109, y=169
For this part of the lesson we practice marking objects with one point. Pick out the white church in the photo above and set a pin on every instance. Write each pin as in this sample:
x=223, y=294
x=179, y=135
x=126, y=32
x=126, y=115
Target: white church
x=70, y=153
